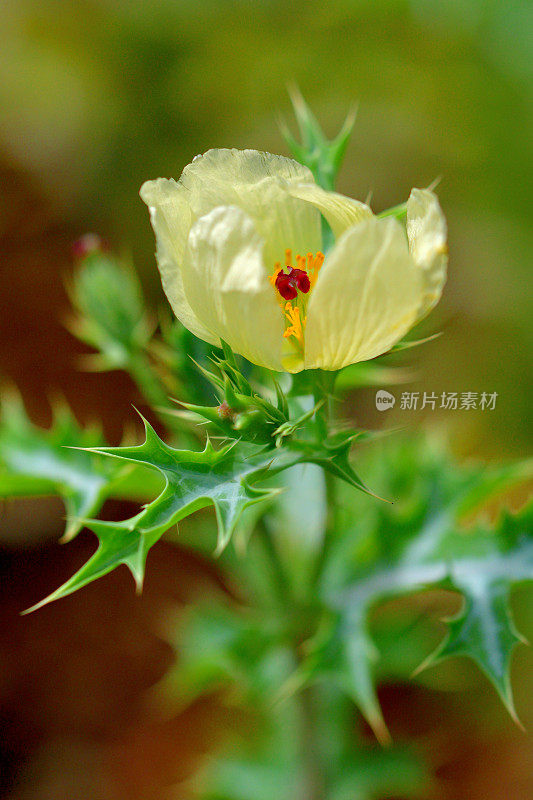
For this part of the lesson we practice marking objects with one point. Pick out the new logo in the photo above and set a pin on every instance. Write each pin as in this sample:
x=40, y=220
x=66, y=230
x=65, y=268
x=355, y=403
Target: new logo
x=384, y=400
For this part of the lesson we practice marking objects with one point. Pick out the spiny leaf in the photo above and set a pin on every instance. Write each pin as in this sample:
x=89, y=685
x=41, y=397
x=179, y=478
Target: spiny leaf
x=37, y=461
x=342, y=653
x=337, y=463
x=120, y=543
x=224, y=478
x=193, y=480
x=383, y=550
x=485, y=632
x=484, y=629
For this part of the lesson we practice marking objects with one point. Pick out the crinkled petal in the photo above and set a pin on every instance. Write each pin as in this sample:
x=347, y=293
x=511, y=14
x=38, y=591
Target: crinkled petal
x=227, y=286
x=259, y=184
x=341, y=212
x=255, y=182
x=170, y=215
x=426, y=231
x=366, y=298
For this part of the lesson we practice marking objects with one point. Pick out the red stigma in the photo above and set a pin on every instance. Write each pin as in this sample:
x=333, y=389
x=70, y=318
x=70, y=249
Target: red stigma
x=289, y=285
x=286, y=287
x=302, y=279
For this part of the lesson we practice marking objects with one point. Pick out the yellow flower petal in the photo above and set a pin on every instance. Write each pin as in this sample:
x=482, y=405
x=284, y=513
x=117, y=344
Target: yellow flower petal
x=259, y=184
x=222, y=228
x=341, y=212
x=426, y=231
x=366, y=298
x=227, y=286
x=171, y=220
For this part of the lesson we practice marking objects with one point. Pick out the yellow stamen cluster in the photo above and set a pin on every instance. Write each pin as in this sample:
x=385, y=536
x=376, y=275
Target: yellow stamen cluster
x=296, y=319
x=277, y=269
x=296, y=323
x=313, y=266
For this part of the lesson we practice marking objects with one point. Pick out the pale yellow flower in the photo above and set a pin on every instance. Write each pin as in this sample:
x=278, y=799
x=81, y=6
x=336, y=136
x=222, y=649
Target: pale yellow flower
x=239, y=250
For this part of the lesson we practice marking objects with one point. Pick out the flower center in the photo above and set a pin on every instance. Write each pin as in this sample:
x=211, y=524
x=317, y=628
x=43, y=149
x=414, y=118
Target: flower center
x=293, y=286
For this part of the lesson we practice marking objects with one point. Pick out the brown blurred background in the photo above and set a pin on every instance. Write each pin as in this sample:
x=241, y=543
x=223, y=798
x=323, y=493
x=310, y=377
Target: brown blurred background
x=98, y=95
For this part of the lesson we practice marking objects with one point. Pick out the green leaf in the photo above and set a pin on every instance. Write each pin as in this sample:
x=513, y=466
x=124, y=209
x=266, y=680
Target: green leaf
x=383, y=551
x=484, y=629
x=225, y=479
x=342, y=654
x=120, y=543
x=222, y=478
x=34, y=461
x=193, y=480
x=337, y=463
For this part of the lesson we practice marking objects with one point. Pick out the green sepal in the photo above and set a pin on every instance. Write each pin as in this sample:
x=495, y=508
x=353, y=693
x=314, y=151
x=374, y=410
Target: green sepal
x=398, y=212
x=283, y=405
x=245, y=413
x=288, y=428
x=371, y=373
x=407, y=344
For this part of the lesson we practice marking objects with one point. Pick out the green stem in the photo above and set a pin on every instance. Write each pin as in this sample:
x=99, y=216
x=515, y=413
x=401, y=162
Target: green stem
x=313, y=755
x=149, y=384
x=324, y=392
x=154, y=392
x=313, y=787
x=277, y=569
x=314, y=727
x=329, y=532
x=323, y=395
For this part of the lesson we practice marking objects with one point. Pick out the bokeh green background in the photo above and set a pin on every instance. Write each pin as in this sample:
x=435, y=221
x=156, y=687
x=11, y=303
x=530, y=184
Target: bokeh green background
x=97, y=96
